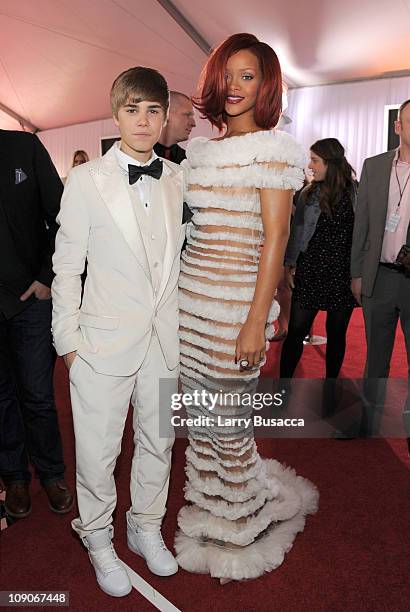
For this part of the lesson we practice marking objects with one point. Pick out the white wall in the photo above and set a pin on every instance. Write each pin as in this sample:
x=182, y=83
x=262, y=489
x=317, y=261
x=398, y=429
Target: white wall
x=62, y=142
x=351, y=112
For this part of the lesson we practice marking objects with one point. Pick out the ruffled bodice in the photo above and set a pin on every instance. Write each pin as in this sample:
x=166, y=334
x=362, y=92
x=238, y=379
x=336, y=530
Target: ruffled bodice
x=268, y=159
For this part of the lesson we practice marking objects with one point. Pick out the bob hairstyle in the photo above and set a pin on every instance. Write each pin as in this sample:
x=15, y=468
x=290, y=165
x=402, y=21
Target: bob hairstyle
x=340, y=176
x=139, y=84
x=212, y=85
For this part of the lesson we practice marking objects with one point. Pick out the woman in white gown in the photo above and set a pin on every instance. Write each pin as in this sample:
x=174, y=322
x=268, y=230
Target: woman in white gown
x=243, y=512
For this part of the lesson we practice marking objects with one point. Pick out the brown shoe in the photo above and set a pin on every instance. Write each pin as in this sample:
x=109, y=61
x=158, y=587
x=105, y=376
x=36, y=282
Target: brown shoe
x=59, y=496
x=17, y=503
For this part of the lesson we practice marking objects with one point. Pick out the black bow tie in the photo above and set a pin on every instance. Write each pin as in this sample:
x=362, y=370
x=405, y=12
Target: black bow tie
x=154, y=170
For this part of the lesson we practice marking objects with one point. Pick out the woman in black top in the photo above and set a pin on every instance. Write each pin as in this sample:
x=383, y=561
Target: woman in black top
x=317, y=259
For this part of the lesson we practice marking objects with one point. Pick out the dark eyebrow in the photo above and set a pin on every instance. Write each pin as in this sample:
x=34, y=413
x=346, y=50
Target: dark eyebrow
x=135, y=104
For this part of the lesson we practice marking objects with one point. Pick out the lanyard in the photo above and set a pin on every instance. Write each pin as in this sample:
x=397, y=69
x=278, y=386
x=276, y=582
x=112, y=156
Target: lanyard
x=398, y=182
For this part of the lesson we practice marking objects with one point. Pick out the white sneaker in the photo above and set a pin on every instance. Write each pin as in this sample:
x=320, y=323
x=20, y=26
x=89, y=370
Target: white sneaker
x=151, y=546
x=111, y=575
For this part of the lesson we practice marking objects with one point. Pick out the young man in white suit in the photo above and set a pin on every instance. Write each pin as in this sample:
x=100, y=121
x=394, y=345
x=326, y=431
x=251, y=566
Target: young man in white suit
x=123, y=214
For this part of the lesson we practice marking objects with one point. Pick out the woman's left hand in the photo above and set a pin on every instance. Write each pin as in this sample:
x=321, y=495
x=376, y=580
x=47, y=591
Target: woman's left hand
x=250, y=345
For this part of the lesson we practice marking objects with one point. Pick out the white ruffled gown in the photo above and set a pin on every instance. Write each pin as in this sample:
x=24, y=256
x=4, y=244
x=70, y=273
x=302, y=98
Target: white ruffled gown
x=243, y=511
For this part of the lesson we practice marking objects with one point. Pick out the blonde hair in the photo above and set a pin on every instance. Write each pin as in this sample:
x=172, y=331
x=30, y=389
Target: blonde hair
x=82, y=153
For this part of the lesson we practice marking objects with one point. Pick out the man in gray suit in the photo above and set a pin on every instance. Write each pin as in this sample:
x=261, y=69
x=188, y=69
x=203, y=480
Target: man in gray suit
x=379, y=281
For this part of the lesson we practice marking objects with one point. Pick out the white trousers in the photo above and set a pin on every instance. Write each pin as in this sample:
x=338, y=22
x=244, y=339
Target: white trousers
x=100, y=405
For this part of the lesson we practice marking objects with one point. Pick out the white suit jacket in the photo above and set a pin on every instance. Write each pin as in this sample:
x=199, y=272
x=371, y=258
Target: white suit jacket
x=111, y=327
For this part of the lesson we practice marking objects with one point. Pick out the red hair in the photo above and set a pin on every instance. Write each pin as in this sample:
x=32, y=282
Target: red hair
x=212, y=85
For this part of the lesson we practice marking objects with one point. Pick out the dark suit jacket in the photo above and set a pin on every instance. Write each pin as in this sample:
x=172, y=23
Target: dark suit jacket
x=370, y=219
x=177, y=153
x=30, y=193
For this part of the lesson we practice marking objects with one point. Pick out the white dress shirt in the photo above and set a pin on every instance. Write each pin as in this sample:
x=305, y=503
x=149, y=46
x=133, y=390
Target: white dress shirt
x=152, y=225
x=143, y=185
x=399, y=191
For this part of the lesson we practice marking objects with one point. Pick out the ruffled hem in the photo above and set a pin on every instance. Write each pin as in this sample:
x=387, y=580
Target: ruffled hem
x=219, y=559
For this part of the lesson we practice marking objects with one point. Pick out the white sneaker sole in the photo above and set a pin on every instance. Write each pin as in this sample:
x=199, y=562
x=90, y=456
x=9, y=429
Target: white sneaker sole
x=117, y=594
x=162, y=573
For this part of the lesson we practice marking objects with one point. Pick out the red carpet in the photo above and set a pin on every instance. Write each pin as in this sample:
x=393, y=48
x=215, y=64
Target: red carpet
x=312, y=364
x=353, y=555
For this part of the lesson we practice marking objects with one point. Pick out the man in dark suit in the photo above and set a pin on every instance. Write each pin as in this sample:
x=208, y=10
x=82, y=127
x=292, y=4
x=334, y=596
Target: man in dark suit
x=180, y=122
x=380, y=282
x=30, y=193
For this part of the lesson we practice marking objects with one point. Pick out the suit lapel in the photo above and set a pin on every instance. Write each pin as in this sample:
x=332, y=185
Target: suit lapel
x=381, y=186
x=169, y=189
x=113, y=190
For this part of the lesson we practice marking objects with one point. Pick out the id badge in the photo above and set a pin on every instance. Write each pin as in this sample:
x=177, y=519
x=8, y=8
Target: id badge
x=392, y=222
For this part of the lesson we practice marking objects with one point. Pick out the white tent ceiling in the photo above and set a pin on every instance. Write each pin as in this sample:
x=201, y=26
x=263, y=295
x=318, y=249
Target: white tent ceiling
x=58, y=58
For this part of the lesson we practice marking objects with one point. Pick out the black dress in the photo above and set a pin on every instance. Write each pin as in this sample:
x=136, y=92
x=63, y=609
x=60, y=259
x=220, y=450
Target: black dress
x=322, y=278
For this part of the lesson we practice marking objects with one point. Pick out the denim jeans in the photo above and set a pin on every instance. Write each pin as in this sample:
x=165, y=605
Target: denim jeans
x=28, y=419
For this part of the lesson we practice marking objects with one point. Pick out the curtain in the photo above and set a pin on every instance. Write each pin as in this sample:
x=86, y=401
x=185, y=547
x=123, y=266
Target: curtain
x=351, y=112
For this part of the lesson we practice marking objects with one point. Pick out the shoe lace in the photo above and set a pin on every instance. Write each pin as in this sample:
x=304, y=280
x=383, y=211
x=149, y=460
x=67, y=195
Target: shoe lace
x=106, y=559
x=154, y=542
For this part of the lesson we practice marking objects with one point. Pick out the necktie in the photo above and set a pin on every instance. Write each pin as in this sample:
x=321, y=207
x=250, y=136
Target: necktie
x=154, y=170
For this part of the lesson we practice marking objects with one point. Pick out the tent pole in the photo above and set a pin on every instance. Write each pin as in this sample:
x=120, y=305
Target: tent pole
x=186, y=25
x=23, y=122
